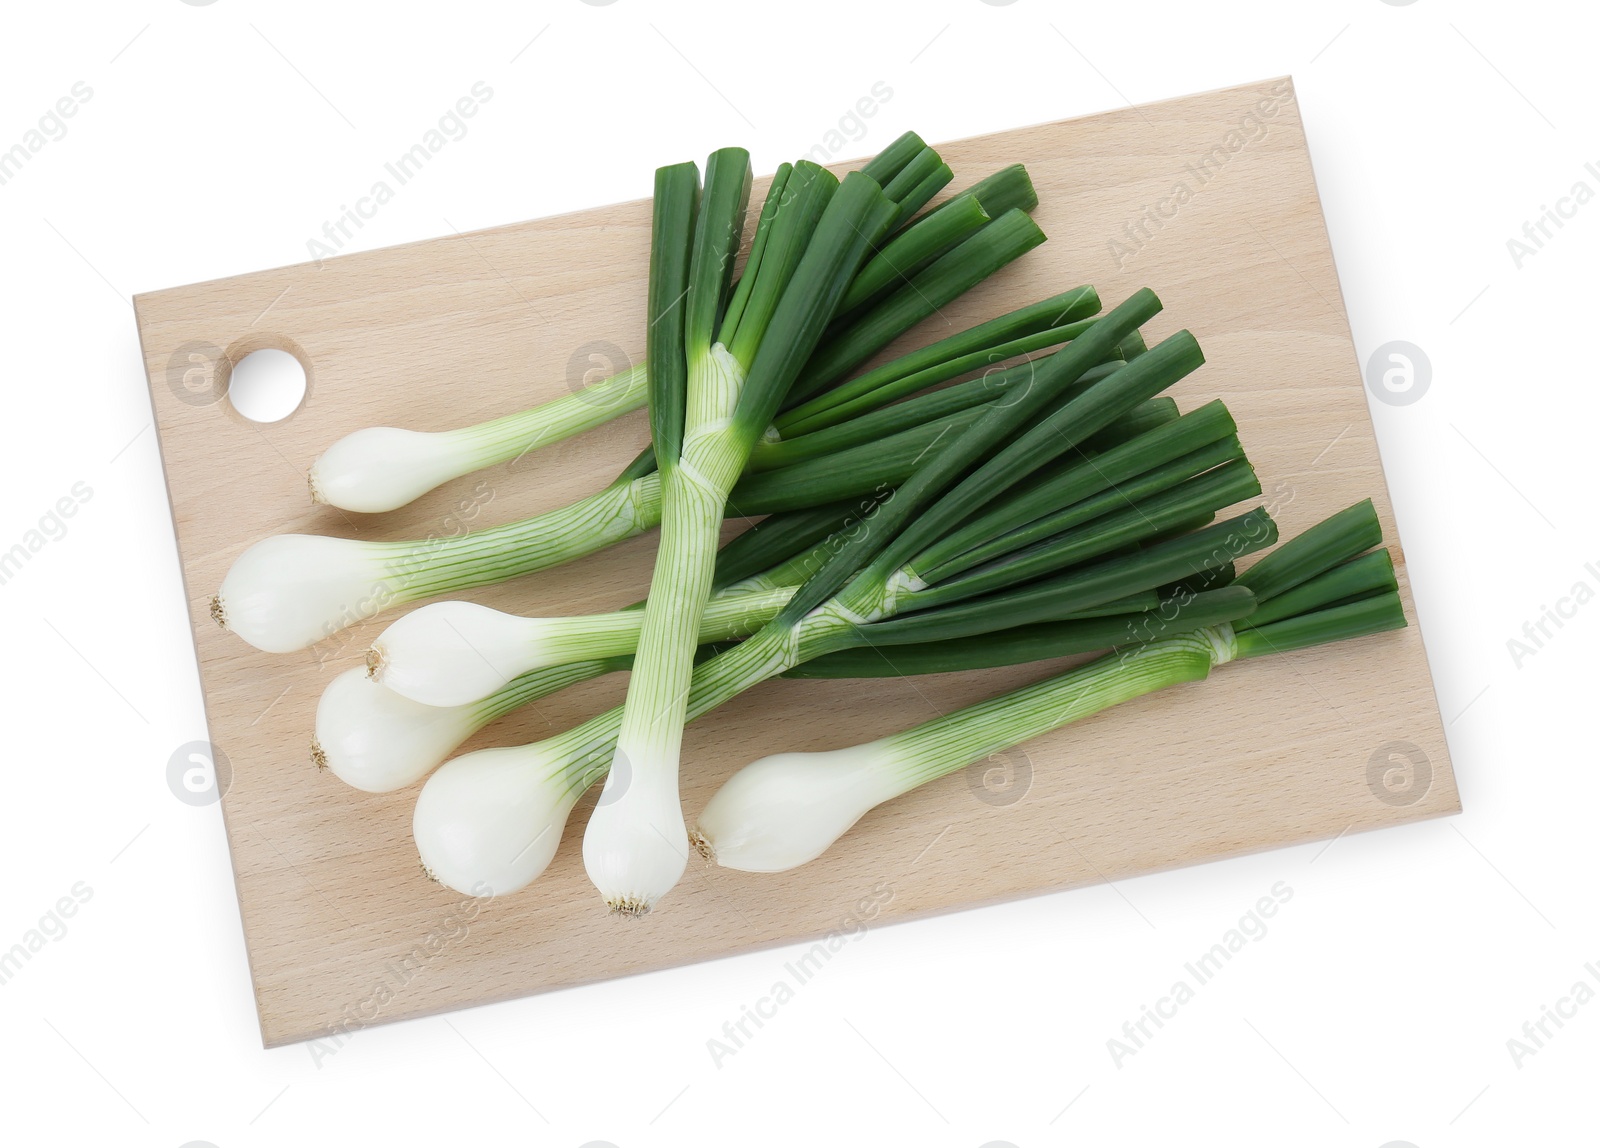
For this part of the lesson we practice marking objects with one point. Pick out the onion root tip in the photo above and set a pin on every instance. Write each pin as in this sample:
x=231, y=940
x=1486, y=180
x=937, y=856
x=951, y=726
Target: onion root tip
x=631, y=908
x=702, y=845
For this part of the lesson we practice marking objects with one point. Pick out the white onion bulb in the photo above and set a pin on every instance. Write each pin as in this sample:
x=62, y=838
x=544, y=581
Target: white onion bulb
x=452, y=653
x=493, y=819
x=635, y=847
x=787, y=809
x=291, y=591
x=377, y=741
x=383, y=468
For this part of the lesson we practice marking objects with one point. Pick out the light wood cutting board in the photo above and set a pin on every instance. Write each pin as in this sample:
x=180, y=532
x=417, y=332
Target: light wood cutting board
x=342, y=928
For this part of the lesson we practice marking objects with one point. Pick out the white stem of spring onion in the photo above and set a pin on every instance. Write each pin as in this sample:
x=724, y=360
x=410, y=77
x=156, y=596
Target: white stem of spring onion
x=784, y=810
x=635, y=847
x=375, y=740
x=383, y=468
x=291, y=591
x=453, y=653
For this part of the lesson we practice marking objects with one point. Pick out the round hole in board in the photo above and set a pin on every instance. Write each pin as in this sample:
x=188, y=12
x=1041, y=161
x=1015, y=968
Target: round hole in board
x=267, y=385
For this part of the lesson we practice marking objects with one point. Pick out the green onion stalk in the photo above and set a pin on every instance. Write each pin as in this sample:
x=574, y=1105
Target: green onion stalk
x=786, y=809
x=707, y=410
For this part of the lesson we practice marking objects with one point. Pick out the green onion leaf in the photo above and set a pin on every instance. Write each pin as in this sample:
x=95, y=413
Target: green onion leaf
x=1032, y=643
x=892, y=160
x=1352, y=620
x=1358, y=578
x=1082, y=478
x=1050, y=598
x=913, y=249
x=1008, y=189
x=677, y=196
x=1325, y=545
x=1000, y=242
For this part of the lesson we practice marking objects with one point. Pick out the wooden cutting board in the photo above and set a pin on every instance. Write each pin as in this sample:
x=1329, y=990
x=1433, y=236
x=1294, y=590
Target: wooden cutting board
x=1209, y=199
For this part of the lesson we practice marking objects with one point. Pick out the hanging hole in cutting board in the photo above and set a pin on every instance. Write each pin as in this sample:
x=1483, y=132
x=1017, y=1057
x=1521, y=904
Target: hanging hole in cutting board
x=267, y=385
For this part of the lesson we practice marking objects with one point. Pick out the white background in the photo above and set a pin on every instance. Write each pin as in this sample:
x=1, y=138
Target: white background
x=220, y=137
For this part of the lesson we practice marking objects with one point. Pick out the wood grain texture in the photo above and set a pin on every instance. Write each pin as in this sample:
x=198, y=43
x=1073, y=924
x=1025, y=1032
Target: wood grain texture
x=341, y=926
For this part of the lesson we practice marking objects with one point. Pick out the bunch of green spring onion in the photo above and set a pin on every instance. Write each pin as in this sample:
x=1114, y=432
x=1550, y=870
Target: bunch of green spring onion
x=916, y=519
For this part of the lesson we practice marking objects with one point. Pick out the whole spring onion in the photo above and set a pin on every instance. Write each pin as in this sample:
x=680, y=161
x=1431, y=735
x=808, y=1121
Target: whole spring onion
x=786, y=809
x=706, y=415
